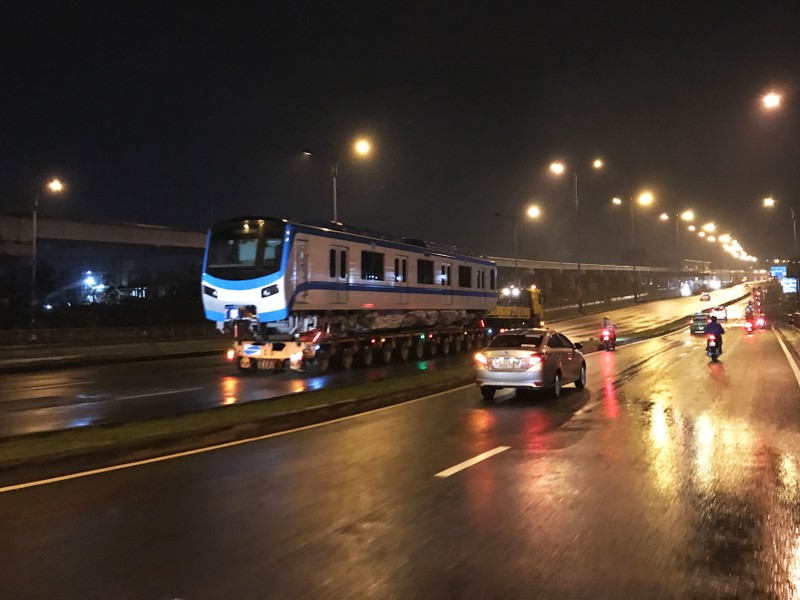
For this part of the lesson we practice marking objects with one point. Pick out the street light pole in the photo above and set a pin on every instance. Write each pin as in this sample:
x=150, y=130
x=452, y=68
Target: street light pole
x=361, y=147
x=533, y=212
x=54, y=186
x=334, y=174
x=33, y=262
x=578, y=282
x=558, y=168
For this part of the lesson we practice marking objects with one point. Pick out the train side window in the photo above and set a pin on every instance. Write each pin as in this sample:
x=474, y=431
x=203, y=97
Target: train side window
x=397, y=276
x=424, y=271
x=492, y=281
x=343, y=264
x=464, y=276
x=332, y=265
x=405, y=270
x=446, y=275
x=372, y=265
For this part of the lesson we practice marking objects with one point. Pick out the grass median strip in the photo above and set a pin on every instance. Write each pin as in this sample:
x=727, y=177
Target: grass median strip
x=106, y=438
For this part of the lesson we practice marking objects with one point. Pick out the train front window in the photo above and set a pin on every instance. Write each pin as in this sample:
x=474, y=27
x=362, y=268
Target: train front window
x=245, y=249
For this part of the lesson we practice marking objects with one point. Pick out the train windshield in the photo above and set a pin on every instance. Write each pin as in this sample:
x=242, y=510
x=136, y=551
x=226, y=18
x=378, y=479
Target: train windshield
x=245, y=249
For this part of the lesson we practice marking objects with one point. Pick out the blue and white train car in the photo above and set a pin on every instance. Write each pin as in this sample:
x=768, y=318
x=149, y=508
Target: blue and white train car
x=292, y=277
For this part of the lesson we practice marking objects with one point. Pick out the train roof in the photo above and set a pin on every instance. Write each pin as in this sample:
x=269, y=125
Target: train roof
x=433, y=246
x=363, y=231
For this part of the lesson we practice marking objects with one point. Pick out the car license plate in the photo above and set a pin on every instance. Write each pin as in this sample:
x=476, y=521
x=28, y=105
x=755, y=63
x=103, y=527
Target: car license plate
x=505, y=363
x=712, y=344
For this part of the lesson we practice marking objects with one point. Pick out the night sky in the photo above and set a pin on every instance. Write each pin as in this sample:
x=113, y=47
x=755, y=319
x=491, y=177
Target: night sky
x=182, y=114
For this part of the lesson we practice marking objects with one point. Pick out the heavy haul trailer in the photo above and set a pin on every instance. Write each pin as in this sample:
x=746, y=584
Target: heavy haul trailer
x=317, y=351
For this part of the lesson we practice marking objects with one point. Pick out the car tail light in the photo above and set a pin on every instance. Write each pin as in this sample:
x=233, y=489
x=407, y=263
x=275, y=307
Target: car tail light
x=231, y=354
x=535, y=359
x=481, y=358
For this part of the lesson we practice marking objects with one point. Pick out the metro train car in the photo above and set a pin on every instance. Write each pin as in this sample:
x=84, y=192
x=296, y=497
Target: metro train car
x=288, y=277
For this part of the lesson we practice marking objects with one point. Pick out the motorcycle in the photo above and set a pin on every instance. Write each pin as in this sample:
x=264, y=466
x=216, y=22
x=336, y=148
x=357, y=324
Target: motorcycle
x=712, y=347
x=761, y=323
x=609, y=339
x=748, y=327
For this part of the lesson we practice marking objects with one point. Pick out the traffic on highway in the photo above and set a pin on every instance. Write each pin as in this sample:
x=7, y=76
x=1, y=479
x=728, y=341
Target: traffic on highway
x=664, y=462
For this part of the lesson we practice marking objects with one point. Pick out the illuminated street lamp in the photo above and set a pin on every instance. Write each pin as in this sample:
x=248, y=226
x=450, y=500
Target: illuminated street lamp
x=686, y=215
x=709, y=227
x=644, y=199
x=558, y=169
x=53, y=187
x=770, y=203
x=533, y=212
x=361, y=147
x=771, y=100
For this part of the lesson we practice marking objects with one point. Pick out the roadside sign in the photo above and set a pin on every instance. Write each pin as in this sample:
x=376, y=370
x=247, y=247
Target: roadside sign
x=779, y=272
x=789, y=285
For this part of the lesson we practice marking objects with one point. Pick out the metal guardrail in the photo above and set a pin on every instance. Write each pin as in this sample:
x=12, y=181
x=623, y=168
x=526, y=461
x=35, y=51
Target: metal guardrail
x=22, y=337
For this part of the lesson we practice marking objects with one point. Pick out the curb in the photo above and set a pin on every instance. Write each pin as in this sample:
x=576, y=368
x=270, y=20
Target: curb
x=12, y=472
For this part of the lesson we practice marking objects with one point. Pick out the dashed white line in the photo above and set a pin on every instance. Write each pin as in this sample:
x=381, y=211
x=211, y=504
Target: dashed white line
x=471, y=461
x=194, y=389
x=215, y=447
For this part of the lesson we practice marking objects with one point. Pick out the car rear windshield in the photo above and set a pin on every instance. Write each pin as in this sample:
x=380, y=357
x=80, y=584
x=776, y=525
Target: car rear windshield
x=516, y=341
x=700, y=319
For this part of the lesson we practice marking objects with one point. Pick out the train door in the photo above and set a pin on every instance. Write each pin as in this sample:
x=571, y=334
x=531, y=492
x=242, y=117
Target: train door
x=401, y=278
x=447, y=283
x=338, y=274
x=300, y=271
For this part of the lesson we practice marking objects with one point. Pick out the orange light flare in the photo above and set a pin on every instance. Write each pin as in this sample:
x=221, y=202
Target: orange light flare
x=230, y=389
x=536, y=430
x=610, y=401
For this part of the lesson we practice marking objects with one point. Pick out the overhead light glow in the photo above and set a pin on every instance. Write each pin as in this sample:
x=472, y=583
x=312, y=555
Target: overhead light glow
x=771, y=101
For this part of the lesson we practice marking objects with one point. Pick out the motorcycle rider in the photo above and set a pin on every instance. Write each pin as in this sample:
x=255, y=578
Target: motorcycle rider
x=715, y=328
x=748, y=311
x=611, y=326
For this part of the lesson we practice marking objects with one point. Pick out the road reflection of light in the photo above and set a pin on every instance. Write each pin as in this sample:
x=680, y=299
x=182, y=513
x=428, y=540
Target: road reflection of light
x=315, y=383
x=793, y=575
x=787, y=471
x=705, y=432
x=662, y=443
x=724, y=446
x=85, y=422
x=230, y=389
x=610, y=402
x=536, y=430
x=480, y=421
x=297, y=386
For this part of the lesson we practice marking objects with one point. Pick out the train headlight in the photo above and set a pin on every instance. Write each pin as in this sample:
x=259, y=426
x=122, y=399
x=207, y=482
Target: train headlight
x=269, y=291
x=209, y=291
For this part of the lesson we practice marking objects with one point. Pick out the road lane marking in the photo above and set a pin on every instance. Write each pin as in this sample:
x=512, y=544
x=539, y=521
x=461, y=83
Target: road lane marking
x=49, y=386
x=157, y=459
x=792, y=363
x=194, y=389
x=471, y=461
x=587, y=408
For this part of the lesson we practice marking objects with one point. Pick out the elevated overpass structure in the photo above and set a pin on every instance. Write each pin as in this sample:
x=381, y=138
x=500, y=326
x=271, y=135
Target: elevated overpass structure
x=142, y=256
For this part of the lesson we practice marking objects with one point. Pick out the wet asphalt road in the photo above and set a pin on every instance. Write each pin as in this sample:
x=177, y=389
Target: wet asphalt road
x=667, y=477
x=77, y=397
